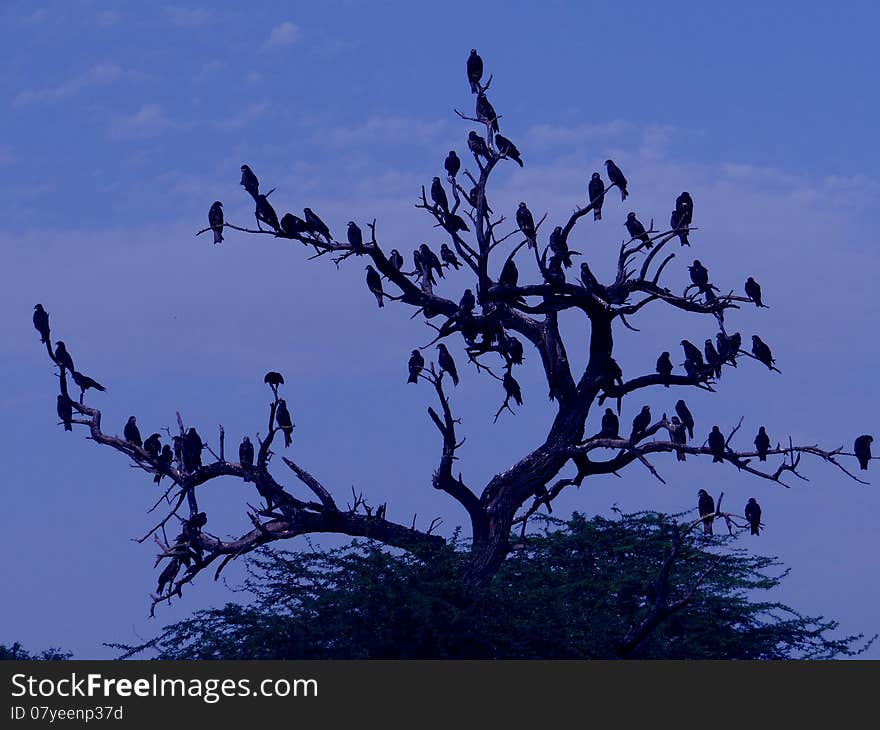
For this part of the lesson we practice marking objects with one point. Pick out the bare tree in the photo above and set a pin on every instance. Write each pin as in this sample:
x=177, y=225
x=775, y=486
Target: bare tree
x=502, y=311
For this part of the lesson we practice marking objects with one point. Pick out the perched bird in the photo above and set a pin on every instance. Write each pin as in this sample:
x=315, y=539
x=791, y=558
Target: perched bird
x=664, y=366
x=637, y=231
x=273, y=380
x=422, y=269
x=762, y=352
x=684, y=204
x=728, y=347
x=316, y=225
x=467, y=303
x=713, y=359
x=559, y=247
x=445, y=361
x=509, y=274
x=862, y=449
x=526, y=224
x=374, y=284
x=477, y=145
x=474, y=70
x=486, y=113
x=64, y=407
x=678, y=436
x=588, y=279
x=293, y=226
x=706, y=508
x=685, y=415
x=449, y=257
x=616, y=177
x=753, y=292
x=215, y=220
x=430, y=260
x=285, y=423
x=415, y=364
x=246, y=453
x=596, y=193
x=610, y=425
x=692, y=353
x=452, y=164
x=762, y=443
x=454, y=223
x=395, y=259
x=355, y=238
x=249, y=181
x=191, y=450
x=132, y=433
x=753, y=515
x=716, y=444
x=166, y=456
x=266, y=213
x=506, y=148
x=553, y=273
x=438, y=195
x=84, y=382
x=62, y=356
x=473, y=197
x=641, y=423
x=153, y=445
x=511, y=388
x=41, y=323
x=680, y=228
x=512, y=350
x=699, y=274
x=167, y=576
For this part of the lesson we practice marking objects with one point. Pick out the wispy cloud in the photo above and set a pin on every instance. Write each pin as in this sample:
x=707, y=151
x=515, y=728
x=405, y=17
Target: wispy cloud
x=100, y=74
x=282, y=35
x=148, y=121
x=246, y=116
x=381, y=130
x=553, y=135
x=187, y=17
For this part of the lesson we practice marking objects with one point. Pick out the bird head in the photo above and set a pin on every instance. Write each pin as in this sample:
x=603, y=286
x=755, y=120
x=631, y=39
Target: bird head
x=59, y=345
x=756, y=339
x=608, y=163
x=675, y=420
x=697, y=264
x=131, y=419
x=472, y=135
x=38, y=307
x=245, y=168
x=436, y=179
x=218, y=203
x=595, y=176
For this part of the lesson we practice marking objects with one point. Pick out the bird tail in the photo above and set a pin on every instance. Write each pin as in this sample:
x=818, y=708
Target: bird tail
x=756, y=530
x=762, y=457
x=379, y=299
x=68, y=426
x=218, y=236
x=681, y=455
x=475, y=89
x=690, y=433
x=454, y=378
x=519, y=161
x=287, y=438
x=597, y=214
x=413, y=378
x=158, y=477
x=717, y=458
x=623, y=194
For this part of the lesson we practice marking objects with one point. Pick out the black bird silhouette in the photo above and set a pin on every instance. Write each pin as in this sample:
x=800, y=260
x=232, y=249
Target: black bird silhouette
x=395, y=259
x=713, y=358
x=589, y=280
x=477, y=145
x=637, y=231
x=728, y=347
x=706, y=508
x=246, y=453
x=84, y=382
x=452, y=164
x=266, y=213
x=680, y=228
x=64, y=407
x=166, y=456
x=374, y=284
x=486, y=113
x=132, y=433
x=685, y=415
x=273, y=379
x=692, y=353
x=422, y=269
x=559, y=247
x=444, y=359
x=506, y=148
x=293, y=226
x=449, y=257
x=617, y=178
x=684, y=204
x=753, y=292
x=215, y=220
x=526, y=224
x=664, y=366
x=62, y=356
x=610, y=425
x=167, y=576
x=512, y=350
x=284, y=421
x=316, y=225
x=762, y=443
x=511, y=388
x=415, y=365
x=762, y=352
x=473, y=197
x=153, y=445
x=41, y=323
x=678, y=436
x=862, y=449
x=699, y=274
x=509, y=274
x=467, y=303
x=430, y=260
x=596, y=194
x=753, y=515
x=716, y=444
x=355, y=238
x=641, y=423
x=454, y=223
x=438, y=195
x=474, y=70
x=249, y=181
x=191, y=450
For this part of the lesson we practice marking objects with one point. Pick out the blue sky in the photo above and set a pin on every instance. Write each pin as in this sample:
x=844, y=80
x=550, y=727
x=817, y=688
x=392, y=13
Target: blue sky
x=121, y=124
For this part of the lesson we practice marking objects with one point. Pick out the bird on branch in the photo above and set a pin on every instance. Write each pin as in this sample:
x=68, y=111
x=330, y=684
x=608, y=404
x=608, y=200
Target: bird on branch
x=753, y=292
x=266, y=213
x=641, y=423
x=477, y=145
x=215, y=220
x=526, y=224
x=64, y=407
x=637, y=231
x=686, y=418
x=284, y=421
x=446, y=363
x=452, y=164
x=41, y=323
x=415, y=365
x=62, y=357
x=761, y=351
x=153, y=445
x=706, y=508
x=596, y=194
x=506, y=148
x=762, y=443
x=374, y=284
x=316, y=225
x=664, y=366
x=249, y=181
x=862, y=449
x=474, y=70
x=132, y=432
x=716, y=444
x=438, y=195
x=617, y=178
x=753, y=515
x=84, y=383
x=355, y=238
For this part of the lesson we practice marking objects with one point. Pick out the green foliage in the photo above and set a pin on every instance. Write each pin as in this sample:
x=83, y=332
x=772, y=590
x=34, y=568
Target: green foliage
x=571, y=592
x=16, y=651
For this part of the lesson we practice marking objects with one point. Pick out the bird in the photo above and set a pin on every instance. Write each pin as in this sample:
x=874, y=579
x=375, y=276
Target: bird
x=509, y=274
x=153, y=445
x=467, y=303
x=678, y=436
x=415, y=365
x=266, y=213
x=438, y=195
x=506, y=148
x=449, y=257
x=452, y=164
x=446, y=363
x=166, y=456
x=454, y=223
x=191, y=450
x=716, y=444
x=64, y=407
x=430, y=260
x=684, y=204
x=637, y=231
x=762, y=352
x=512, y=349
x=285, y=423
x=693, y=354
x=610, y=425
x=713, y=359
x=62, y=356
x=753, y=515
x=588, y=279
x=355, y=238
x=753, y=292
x=762, y=443
x=685, y=415
x=249, y=181
x=616, y=177
x=132, y=433
x=680, y=228
x=706, y=508
x=477, y=145
x=41, y=323
x=664, y=366
x=474, y=70
x=273, y=380
x=374, y=284
x=422, y=269
x=84, y=382
x=215, y=220
x=293, y=226
x=246, y=453
x=395, y=259
x=641, y=423
x=316, y=225
x=511, y=388
x=699, y=274
x=526, y=224
x=728, y=346
x=596, y=194
x=559, y=247
x=167, y=576
x=862, y=449
x=473, y=197
x=486, y=112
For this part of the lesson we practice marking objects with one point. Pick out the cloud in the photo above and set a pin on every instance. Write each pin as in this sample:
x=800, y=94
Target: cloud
x=148, y=121
x=285, y=34
x=188, y=17
x=554, y=135
x=382, y=130
x=250, y=114
x=100, y=74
